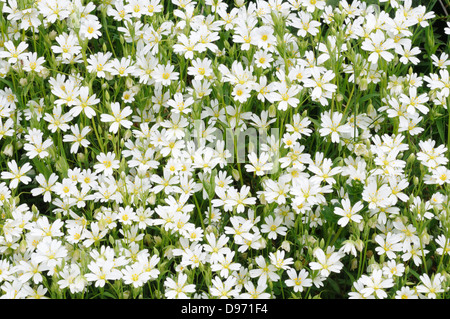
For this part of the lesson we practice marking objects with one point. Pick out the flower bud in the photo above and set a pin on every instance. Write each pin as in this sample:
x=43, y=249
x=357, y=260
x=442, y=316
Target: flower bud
x=235, y=174
x=286, y=246
x=262, y=199
x=107, y=96
x=210, y=228
x=430, y=39
x=168, y=252
x=262, y=243
x=298, y=265
x=359, y=244
x=411, y=159
x=361, y=150
x=239, y=3
x=9, y=150
x=425, y=238
x=157, y=240
x=52, y=35
x=272, y=110
x=76, y=254
x=363, y=84
x=148, y=240
x=353, y=264
x=158, y=294
x=81, y=157
x=128, y=82
x=23, y=246
x=151, y=199
x=44, y=73
x=251, y=147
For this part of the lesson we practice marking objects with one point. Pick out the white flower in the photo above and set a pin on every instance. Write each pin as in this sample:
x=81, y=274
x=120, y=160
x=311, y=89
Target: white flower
x=107, y=163
x=164, y=74
x=226, y=289
x=431, y=286
x=135, y=275
x=389, y=245
x=90, y=29
x=375, y=284
x=326, y=264
x=273, y=227
x=264, y=271
x=77, y=138
x=332, y=124
x=322, y=89
x=178, y=289
x=17, y=174
x=407, y=54
x=348, y=212
x=118, y=118
x=379, y=46
x=259, y=165
x=13, y=53
x=298, y=281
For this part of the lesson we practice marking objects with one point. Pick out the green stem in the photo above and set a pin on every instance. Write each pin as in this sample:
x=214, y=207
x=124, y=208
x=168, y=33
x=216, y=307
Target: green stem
x=448, y=125
x=336, y=236
x=199, y=212
x=96, y=134
x=362, y=257
x=237, y=160
x=443, y=254
x=281, y=285
x=107, y=33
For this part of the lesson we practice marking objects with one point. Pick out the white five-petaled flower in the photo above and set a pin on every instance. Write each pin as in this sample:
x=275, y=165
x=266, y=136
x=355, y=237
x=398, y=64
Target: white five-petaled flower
x=178, y=289
x=164, y=74
x=77, y=137
x=46, y=187
x=118, y=118
x=431, y=286
x=107, y=163
x=13, y=53
x=375, y=284
x=348, y=212
x=17, y=174
x=240, y=199
x=320, y=84
x=260, y=165
x=265, y=271
x=286, y=96
x=331, y=124
x=298, y=281
x=326, y=264
x=379, y=46
x=273, y=227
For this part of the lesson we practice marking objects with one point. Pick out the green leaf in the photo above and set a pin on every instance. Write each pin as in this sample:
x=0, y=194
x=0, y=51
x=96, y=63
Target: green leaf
x=349, y=275
x=8, y=83
x=109, y=295
x=415, y=274
x=42, y=168
x=329, y=215
x=334, y=285
x=440, y=127
x=367, y=97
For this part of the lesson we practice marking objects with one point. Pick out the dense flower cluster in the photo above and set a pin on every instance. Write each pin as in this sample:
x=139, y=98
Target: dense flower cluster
x=119, y=178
